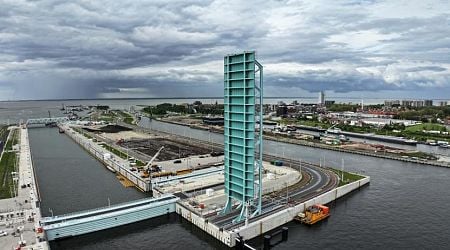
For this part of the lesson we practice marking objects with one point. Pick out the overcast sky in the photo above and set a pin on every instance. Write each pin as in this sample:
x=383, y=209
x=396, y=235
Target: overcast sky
x=128, y=48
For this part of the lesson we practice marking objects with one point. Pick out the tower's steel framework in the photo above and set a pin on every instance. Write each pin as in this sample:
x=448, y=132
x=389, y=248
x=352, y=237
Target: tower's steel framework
x=243, y=109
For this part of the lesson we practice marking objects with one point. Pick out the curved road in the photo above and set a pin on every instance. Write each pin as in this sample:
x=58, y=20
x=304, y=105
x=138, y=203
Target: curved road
x=320, y=180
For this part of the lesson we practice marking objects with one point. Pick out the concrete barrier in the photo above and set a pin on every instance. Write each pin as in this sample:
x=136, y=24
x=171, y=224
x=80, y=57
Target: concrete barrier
x=284, y=216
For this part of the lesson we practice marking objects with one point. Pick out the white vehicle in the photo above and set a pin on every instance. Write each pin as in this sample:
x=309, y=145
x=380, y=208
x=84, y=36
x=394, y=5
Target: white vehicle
x=3, y=233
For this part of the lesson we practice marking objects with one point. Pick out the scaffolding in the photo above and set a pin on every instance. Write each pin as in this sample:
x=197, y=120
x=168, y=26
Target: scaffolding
x=243, y=109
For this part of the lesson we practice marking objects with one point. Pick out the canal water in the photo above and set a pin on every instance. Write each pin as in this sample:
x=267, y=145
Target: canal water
x=71, y=180
x=404, y=206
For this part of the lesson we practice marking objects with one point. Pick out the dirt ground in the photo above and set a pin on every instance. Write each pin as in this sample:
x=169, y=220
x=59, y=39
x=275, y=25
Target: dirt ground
x=173, y=149
x=127, y=135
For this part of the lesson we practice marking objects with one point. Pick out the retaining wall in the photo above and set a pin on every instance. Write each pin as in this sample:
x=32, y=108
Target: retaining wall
x=115, y=162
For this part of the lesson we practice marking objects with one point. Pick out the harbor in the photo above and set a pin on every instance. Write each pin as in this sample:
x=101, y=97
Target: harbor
x=350, y=164
x=233, y=189
x=272, y=218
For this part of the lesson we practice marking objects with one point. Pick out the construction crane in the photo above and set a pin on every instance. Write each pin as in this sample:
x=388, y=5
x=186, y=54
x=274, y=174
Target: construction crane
x=331, y=128
x=147, y=168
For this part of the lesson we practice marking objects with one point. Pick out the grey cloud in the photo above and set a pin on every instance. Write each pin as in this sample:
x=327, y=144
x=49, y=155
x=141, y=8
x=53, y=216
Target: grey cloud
x=427, y=68
x=79, y=49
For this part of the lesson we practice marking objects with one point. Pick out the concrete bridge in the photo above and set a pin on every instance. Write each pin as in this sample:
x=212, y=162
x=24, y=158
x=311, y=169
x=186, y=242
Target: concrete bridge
x=47, y=120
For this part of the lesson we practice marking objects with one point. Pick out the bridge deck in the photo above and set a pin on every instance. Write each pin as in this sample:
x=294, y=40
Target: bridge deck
x=107, y=210
x=46, y=120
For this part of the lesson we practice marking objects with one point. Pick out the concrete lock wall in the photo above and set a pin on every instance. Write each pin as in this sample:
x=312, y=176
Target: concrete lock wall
x=203, y=224
x=282, y=217
x=90, y=147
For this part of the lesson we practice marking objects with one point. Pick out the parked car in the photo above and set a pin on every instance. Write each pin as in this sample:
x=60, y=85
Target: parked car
x=3, y=233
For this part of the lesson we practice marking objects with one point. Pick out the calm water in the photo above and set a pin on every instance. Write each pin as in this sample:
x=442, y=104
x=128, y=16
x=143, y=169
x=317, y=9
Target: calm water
x=403, y=208
x=71, y=180
x=13, y=111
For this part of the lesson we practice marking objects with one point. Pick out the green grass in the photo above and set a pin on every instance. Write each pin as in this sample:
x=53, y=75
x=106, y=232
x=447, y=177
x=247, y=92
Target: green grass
x=106, y=118
x=8, y=165
x=85, y=134
x=127, y=117
x=3, y=133
x=13, y=139
x=348, y=177
x=120, y=154
x=421, y=155
x=128, y=120
x=426, y=126
x=311, y=123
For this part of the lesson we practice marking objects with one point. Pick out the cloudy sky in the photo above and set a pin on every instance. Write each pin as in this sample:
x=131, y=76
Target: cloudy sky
x=114, y=49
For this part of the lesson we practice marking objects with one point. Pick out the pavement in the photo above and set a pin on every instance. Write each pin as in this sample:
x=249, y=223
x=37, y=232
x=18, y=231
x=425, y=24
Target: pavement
x=19, y=216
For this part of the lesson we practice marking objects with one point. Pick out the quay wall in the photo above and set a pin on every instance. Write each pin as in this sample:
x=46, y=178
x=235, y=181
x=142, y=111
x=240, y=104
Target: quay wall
x=284, y=216
x=267, y=223
x=202, y=223
x=326, y=147
x=115, y=162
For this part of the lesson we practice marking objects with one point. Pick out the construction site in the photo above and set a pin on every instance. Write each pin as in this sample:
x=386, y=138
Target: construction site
x=173, y=148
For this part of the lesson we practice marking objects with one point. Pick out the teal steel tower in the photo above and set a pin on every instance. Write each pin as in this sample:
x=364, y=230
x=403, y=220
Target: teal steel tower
x=243, y=100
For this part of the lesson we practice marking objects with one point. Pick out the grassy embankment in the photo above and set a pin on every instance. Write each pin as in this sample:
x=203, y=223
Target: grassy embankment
x=416, y=131
x=127, y=118
x=348, y=177
x=120, y=153
x=109, y=148
x=8, y=164
x=79, y=130
x=412, y=132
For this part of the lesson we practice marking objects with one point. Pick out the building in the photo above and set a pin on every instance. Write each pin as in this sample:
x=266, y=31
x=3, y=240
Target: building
x=321, y=98
x=213, y=120
x=282, y=110
x=329, y=102
x=417, y=103
x=442, y=103
x=392, y=103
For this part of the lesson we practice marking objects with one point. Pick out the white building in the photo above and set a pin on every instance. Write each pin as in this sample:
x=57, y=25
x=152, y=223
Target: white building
x=321, y=98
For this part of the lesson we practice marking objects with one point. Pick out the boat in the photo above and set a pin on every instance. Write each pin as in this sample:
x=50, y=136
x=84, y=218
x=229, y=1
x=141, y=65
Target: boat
x=372, y=136
x=110, y=168
x=313, y=214
x=61, y=131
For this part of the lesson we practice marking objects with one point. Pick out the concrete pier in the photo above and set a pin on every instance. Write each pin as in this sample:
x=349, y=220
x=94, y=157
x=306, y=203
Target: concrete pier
x=20, y=215
x=265, y=223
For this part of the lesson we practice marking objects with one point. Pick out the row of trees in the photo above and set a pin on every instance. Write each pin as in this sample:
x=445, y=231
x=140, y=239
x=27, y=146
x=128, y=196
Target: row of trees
x=163, y=109
x=425, y=113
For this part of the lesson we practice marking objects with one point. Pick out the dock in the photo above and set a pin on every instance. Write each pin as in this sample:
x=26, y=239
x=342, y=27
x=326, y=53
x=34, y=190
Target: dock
x=21, y=214
x=231, y=235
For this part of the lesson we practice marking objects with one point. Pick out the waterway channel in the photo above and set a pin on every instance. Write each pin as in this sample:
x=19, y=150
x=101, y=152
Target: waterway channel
x=404, y=206
x=71, y=180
